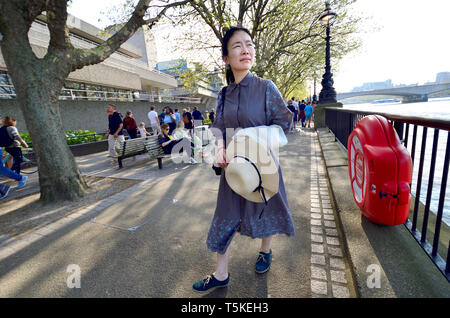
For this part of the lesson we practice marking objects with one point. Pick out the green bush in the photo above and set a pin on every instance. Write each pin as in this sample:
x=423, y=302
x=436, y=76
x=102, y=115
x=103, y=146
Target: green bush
x=73, y=137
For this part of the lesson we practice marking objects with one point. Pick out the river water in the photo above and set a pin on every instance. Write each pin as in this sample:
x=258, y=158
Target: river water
x=437, y=108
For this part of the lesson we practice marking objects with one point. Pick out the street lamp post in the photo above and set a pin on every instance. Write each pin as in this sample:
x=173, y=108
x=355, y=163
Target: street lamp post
x=315, y=95
x=327, y=94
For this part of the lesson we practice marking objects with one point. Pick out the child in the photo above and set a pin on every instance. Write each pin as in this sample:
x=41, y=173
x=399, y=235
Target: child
x=143, y=131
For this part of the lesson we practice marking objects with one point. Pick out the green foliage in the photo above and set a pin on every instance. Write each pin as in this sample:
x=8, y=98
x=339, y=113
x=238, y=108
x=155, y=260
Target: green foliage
x=289, y=38
x=26, y=137
x=75, y=137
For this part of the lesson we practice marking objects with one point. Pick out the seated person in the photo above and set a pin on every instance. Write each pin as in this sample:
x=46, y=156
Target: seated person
x=168, y=142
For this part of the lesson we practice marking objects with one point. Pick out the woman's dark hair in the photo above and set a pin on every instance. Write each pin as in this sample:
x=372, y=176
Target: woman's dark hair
x=226, y=38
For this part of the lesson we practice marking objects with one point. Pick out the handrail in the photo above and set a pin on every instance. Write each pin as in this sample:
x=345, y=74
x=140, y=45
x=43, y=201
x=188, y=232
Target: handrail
x=422, y=121
x=74, y=94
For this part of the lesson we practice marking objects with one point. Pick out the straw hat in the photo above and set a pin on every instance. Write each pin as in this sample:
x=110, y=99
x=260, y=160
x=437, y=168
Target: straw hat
x=251, y=172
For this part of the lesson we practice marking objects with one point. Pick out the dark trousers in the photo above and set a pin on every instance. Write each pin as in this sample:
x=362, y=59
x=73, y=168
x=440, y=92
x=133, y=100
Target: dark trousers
x=16, y=152
x=132, y=133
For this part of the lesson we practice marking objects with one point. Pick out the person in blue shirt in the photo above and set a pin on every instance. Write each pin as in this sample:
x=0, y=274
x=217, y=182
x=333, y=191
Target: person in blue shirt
x=177, y=117
x=308, y=113
x=170, y=119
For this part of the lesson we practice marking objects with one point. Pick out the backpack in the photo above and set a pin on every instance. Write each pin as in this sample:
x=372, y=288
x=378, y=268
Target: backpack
x=5, y=139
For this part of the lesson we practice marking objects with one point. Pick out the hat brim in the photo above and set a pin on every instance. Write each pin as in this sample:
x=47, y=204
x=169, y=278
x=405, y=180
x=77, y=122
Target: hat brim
x=257, y=153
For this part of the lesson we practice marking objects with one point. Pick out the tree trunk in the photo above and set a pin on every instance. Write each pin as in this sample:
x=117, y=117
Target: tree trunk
x=59, y=176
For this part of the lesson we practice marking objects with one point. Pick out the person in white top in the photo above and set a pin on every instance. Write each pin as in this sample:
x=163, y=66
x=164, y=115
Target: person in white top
x=142, y=131
x=154, y=121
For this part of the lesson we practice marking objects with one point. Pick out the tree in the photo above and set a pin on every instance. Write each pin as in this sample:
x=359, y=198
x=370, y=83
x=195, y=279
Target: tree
x=288, y=36
x=38, y=81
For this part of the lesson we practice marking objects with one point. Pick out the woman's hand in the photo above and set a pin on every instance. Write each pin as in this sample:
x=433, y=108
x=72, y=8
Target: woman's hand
x=221, y=157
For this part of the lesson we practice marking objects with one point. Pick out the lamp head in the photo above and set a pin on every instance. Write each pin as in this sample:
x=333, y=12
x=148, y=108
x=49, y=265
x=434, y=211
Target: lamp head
x=328, y=14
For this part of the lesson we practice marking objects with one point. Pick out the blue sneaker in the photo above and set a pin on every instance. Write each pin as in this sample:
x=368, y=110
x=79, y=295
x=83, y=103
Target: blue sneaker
x=263, y=262
x=22, y=182
x=4, y=190
x=209, y=284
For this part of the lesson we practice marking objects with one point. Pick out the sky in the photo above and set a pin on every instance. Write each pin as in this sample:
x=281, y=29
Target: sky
x=408, y=42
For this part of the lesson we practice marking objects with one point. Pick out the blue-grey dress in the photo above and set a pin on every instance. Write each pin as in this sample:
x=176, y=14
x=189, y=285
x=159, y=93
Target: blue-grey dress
x=252, y=102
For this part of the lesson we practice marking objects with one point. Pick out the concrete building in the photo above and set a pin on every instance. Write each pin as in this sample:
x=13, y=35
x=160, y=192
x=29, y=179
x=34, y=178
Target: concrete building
x=128, y=78
x=204, y=90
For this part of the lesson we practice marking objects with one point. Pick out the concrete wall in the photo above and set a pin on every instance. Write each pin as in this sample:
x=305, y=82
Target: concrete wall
x=92, y=114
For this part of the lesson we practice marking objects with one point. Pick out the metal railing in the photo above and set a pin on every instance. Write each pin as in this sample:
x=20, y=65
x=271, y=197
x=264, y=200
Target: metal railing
x=341, y=123
x=8, y=92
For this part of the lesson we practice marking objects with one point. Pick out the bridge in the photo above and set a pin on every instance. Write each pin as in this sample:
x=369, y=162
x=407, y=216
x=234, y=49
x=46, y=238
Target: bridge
x=409, y=94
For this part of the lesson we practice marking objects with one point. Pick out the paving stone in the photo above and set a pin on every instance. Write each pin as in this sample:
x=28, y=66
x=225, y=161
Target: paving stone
x=327, y=211
x=316, y=230
x=335, y=251
x=329, y=217
x=318, y=273
x=316, y=222
x=340, y=291
x=338, y=276
x=317, y=238
x=319, y=287
x=317, y=248
x=337, y=263
x=329, y=223
x=316, y=210
x=318, y=259
x=331, y=232
x=332, y=240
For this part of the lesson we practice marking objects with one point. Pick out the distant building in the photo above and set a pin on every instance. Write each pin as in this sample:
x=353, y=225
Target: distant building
x=373, y=85
x=443, y=77
x=206, y=89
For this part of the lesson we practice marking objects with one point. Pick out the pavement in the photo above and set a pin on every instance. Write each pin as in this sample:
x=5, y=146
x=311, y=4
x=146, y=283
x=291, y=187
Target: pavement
x=150, y=240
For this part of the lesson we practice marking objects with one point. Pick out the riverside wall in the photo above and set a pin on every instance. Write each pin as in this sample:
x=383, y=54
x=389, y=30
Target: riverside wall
x=91, y=115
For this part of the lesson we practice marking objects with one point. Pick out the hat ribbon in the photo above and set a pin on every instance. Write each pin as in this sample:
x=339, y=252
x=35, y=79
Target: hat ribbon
x=259, y=187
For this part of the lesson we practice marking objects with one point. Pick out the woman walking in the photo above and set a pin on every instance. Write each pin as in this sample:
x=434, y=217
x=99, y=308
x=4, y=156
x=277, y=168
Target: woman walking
x=130, y=124
x=247, y=101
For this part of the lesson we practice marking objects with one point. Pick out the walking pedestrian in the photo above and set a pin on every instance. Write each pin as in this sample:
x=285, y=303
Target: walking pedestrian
x=177, y=117
x=247, y=101
x=114, y=132
x=130, y=125
x=11, y=140
x=5, y=171
x=291, y=107
x=198, y=117
x=308, y=114
x=154, y=121
x=211, y=116
x=301, y=114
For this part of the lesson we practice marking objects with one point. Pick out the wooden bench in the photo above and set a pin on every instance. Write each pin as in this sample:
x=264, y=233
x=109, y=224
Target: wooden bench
x=133, y=147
